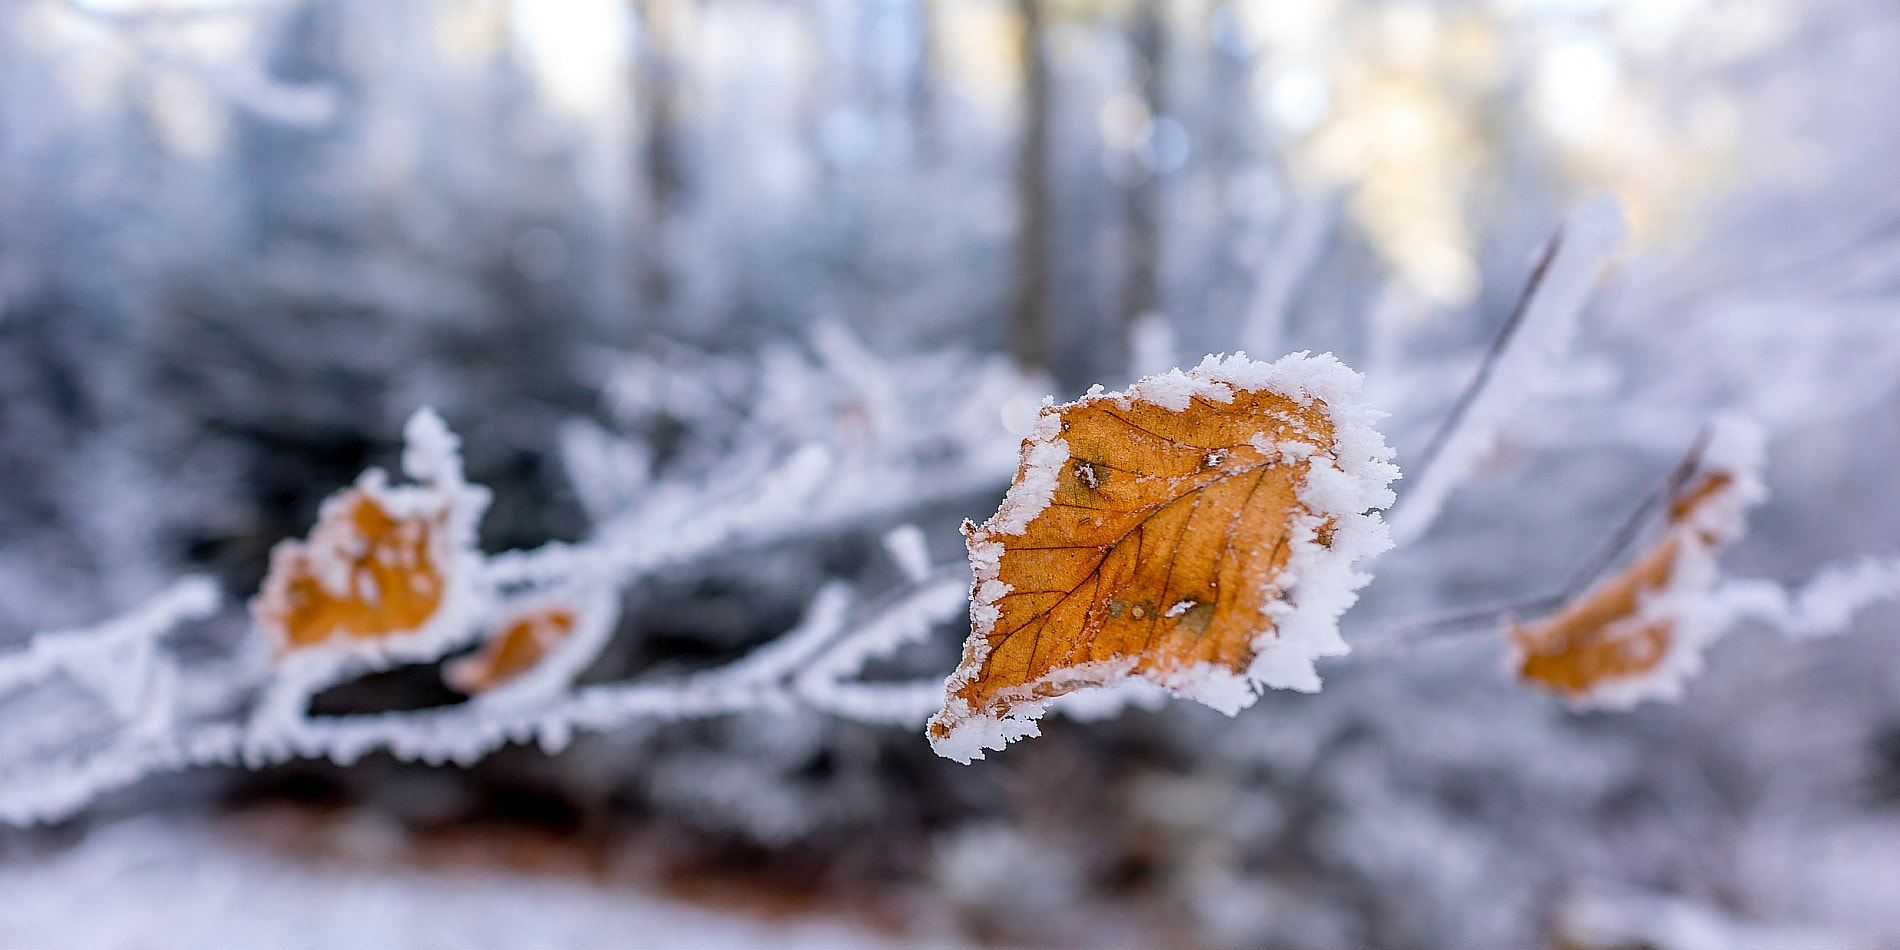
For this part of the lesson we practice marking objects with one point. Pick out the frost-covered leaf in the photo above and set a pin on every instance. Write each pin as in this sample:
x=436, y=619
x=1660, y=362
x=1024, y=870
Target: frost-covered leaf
x=365, y=573
x=383, y=564
x=1198, y=531
x=522, y=642
x=536, y=647
x=1639, y=634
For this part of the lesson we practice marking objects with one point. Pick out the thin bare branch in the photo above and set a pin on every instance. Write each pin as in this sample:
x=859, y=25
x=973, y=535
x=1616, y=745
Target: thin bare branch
x=1499, y=344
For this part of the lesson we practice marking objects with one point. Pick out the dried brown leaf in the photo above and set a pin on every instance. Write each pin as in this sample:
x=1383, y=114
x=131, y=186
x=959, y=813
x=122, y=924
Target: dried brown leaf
x=520, y=645
x=1635, y=635
x=1159, y=534
x=380, y=564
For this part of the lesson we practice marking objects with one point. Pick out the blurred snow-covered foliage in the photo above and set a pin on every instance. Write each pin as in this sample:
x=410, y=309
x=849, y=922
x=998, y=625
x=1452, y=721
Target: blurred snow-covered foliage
x=722, y=295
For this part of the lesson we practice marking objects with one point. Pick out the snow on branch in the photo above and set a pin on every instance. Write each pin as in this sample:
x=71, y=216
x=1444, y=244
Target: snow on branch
x=108, y=689
x=114, y=659
x=824, y=446
x=391, y=575
x=814, y=665
x=765, y=679
x=1825, y=605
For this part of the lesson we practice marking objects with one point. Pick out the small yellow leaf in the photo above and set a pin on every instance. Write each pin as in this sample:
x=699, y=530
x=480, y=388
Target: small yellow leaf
x=370, y=571
x=1178, y=532
x=522, y=643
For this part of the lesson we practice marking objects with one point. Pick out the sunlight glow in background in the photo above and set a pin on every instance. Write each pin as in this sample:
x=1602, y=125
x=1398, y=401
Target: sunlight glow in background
x=1396, y=104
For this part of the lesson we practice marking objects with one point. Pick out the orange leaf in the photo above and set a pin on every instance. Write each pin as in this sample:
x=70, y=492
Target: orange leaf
x=1636, y=634
x=384, y=571
x=1197, y=531
x=524, y=641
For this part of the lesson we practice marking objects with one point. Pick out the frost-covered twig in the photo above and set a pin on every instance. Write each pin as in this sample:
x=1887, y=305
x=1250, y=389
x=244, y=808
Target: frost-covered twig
x=829, y=681
x=131, y=687
x=824, y=447
x=766, y=678
x=1488, y=364
x=681, y=524
x=775, y=676
x=1625, y=533
x=391, y=575
x=1823, y=606
x=1522, y=359
x=106, y=654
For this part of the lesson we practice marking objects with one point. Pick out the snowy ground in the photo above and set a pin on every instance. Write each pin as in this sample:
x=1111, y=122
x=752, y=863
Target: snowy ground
x=155, y=883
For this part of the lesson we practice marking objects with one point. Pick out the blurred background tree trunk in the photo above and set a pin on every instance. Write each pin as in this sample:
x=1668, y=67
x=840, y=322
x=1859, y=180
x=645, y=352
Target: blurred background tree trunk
x=1030, y=312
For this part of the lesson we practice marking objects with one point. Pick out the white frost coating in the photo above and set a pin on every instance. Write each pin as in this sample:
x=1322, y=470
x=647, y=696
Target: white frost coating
x=967, y=741
x=1824, y=606
x=826, y=680
x=1044, y=454
x=907, y=549
x=1530, y=365
x=119, y=661
x=1106, y=702
x=114, y=659
x=1345, y=486
x=986, y=557
x=430, y=452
